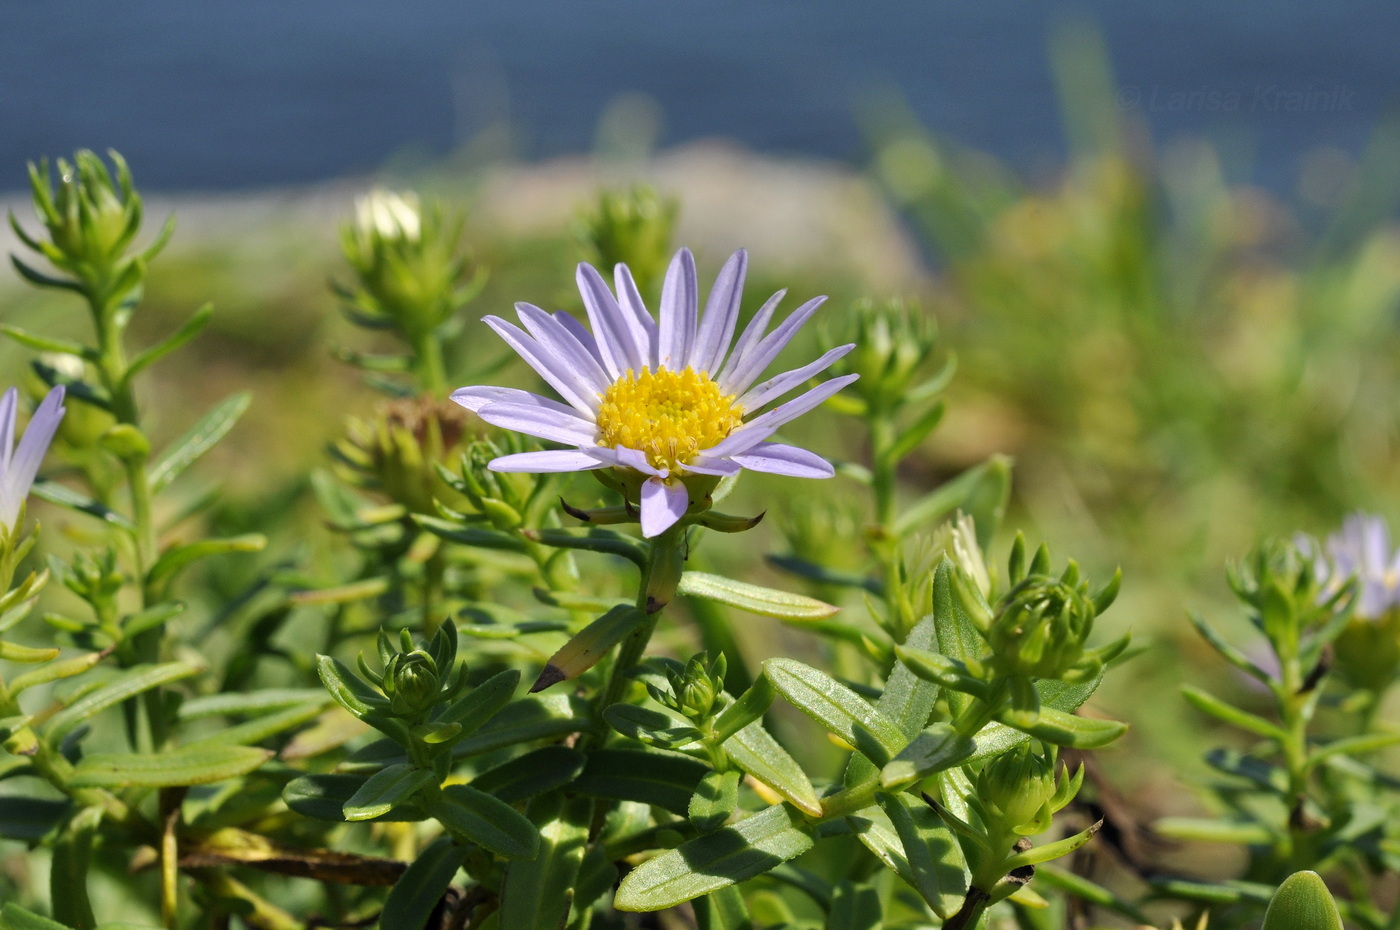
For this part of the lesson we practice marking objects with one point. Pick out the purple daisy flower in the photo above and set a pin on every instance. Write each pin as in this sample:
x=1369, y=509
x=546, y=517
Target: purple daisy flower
x=1361, y=549
x=18, y=466
x=661, y=400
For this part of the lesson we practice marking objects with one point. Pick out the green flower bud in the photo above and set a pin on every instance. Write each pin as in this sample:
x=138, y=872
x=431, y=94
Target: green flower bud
x=406, y=261
x=88, y=219
x=411, y=683
x=893, y=342
x=694, y=689
x=1040, y=628
x=394, y=453
x=1016, y=789
x=632, y=228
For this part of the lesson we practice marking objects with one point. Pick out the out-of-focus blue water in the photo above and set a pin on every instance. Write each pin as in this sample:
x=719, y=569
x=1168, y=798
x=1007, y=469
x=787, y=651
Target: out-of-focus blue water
x=216, y=95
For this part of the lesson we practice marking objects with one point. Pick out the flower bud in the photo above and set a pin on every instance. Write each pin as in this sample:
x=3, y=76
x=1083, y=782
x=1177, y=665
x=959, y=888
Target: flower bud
x=87, y=219
x=411, y=683
x=631, y=228
x=893, y=341
x=405, y=258
x=394, y=453
x=1017, y=787
x=1040, y=628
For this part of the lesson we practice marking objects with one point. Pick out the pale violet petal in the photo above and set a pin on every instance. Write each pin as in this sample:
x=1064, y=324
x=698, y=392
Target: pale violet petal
x=552, y=369
x=662, y=504
x=580, y=332
x=544, y=424
x=777, y=387
x=778, y=459
x=622, y=457
x=721, y=314
x=643, y=326
x=24, y=464
x=678, y=299
x=720, y=468
x=765, y=425
x=747, y=371
x=615, y=341
x=556, y=338
x=548, y=461
x=478, y=396
x=752, y=335
x=9, y=405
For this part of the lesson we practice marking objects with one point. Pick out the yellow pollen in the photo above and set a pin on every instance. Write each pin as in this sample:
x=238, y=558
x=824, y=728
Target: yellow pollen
x=669, y=415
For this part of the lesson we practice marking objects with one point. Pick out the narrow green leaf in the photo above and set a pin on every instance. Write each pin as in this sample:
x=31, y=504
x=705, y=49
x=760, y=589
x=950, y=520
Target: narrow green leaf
x=1212, y=831
x=14, y=917
x=1208, y=703
x=537, y=893
x=935, y=859
x=41, y=343
x=722, y=910
x=755, y=751
x=1038, y=854
x=836, y=707
x=472, y=535
x=72, y=855
x=53, y=671
x=1302, y=902
x=854, y=908
x=262, y=728
x=484, y=820
x=191, y=328
x=1260, y=771
x=651, y=727
x=907, y=699
x=594, y=539
x=710, y=862
x=176, y=558
x=386, y=790
x=417, y=892
x=188, y=765
x=64, y=496
x=150, y=618
x=1354, y=746
x=1227, y=650
x=660, y=779
x=256, y=702
x=958, y=636
x=323, y=797
x=346, y=688
x=125, y=685
x=533, y=773
x=475, y=708
x=748, y=708
x=588, y=646
x=937, y=748
x=917, y=432
x=200, y=438
x=715, y=800
x=766, y=602
x=1055, y=726
x=14, y=652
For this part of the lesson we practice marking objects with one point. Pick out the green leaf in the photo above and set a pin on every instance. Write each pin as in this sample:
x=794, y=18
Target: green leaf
x=588, y=646
x=484, y=820
x=660, y=779
x=907, y=699
x=836, y=707
x=536, y=772
x=150, y=618
x=64, y=496
x=1055, y=726
x=854, y=908
x=386, y=790
x=937, y=748
x=650, y=726
x=30, y=819
x=710, y=862
x=936, y=867
x=256, y=702
x=72, y=855
x=1038, y=854
x=1260, y=771
x=347, y=689
x=14, y=917
x=1227, y=651
x=191, y=328
x=417, y=892
x=537, y=893
x=594, y=539
x=716, y=798
x=189, y=765
x=472, y=535
x=124, y=686
x=722, y=910
x=958, y=636
x=755, y=751
x=176, y=558
x=323, y=797
x=48, y=344
x=766, y=602
x=1208, y=703
x=14, y=652
x=995, y=738
x=1213, y=831
x=475, y=708
x=53, y=671
x=200, y=438
x=1302, y=902
x=748, y=708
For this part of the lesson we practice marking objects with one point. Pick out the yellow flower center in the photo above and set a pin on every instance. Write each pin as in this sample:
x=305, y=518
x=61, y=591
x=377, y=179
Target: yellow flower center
x=669, y=415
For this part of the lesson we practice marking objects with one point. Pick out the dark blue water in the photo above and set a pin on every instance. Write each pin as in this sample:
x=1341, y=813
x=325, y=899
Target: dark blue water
x=201, y=95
